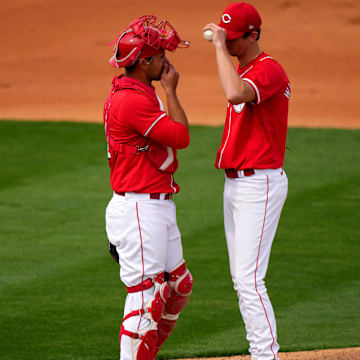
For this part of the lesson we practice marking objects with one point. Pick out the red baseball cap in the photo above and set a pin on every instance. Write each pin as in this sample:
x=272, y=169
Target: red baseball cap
x=238, y=19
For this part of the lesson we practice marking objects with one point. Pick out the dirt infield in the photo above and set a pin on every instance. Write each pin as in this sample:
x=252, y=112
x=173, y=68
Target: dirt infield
x=54, y=57
x=334, y=354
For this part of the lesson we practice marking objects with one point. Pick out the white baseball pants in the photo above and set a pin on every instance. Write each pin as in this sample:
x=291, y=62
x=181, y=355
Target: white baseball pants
x=252, y=208
x=148, y=242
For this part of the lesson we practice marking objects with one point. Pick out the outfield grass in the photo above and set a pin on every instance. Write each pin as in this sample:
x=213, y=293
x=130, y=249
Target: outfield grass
x=60, y=294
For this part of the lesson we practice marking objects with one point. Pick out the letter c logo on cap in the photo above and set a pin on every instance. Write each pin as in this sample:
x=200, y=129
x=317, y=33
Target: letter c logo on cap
x=226, y=18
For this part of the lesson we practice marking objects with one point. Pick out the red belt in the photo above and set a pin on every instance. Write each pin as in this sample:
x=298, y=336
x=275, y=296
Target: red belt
x=154, y=196
x=233, y=174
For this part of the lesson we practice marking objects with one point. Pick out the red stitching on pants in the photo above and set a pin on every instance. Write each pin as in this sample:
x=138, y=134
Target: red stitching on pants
x=257, y=263
x=142, y=259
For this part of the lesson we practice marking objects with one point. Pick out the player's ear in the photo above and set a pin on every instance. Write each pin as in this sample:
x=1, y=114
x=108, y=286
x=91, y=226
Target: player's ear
x=146, y=61
x=254, y=36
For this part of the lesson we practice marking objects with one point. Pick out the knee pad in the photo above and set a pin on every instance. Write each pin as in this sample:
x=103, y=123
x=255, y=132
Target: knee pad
x=181, y=283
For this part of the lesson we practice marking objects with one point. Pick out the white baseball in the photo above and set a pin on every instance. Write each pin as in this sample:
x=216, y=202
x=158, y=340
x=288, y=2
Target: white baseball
x=208, y=35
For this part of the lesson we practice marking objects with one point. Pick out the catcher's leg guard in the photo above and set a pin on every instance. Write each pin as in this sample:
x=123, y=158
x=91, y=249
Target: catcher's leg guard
x=145, y=348
x=181, y=283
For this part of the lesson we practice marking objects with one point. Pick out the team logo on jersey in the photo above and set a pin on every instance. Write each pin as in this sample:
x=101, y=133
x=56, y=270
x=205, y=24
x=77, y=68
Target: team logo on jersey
x=239, y=107
x=226, y=18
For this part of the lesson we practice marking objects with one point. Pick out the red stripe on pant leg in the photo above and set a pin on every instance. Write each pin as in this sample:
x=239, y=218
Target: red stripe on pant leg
x=257, y=263
x=142, y=258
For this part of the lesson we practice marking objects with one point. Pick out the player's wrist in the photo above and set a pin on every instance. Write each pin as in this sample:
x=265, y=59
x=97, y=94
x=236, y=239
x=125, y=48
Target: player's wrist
x=219, y=45
x=170, y=91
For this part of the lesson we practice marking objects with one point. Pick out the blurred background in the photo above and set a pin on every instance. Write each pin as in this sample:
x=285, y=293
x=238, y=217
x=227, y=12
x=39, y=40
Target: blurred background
x=60, y=294
x=54, y=57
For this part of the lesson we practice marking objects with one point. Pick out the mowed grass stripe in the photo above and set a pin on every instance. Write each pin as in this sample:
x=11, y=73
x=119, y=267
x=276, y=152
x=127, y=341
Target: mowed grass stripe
x=60, y=295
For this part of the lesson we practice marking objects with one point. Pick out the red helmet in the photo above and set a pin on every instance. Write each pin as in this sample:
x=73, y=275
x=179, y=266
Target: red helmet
x=144, y=38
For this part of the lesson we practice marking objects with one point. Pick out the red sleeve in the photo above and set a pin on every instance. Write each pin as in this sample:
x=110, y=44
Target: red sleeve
x=170, y=133
x=145, y=117
x=266, y=78
x=140, y=112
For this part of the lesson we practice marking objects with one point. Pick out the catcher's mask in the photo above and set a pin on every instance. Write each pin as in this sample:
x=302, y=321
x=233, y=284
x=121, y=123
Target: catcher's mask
x=143, y=38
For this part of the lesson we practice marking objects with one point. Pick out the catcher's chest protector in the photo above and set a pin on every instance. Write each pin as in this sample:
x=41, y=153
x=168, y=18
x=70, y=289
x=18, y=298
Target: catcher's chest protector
x=161, y=157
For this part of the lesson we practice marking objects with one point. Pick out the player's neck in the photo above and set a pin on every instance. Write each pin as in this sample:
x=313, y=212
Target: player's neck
x=250, y=55
x=138, y=75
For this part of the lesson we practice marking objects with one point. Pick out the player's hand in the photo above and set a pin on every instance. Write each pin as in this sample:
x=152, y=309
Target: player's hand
x=219, y=34
x=169, y=77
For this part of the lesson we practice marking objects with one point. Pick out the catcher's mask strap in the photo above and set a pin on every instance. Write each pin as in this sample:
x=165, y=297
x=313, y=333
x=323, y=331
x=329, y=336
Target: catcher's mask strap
x=116, y=48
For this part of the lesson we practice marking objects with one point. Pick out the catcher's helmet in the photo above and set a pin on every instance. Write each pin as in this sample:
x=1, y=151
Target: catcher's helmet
x=144, y=38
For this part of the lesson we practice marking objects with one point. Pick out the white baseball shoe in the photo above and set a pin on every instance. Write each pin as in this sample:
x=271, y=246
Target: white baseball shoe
x=253, y=357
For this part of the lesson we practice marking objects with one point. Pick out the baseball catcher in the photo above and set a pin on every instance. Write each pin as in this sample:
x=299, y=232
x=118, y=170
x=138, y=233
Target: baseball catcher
x=142, y=143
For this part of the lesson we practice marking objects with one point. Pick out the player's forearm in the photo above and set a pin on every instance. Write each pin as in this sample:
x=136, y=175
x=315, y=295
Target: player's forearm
x=235, y=88
x=175, y=110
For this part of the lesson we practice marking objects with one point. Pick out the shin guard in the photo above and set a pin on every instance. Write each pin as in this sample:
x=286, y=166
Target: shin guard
x=145, y=346
x=181, y=283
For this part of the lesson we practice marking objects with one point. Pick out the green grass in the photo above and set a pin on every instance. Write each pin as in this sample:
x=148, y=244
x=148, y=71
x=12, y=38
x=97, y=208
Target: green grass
x=60, y=293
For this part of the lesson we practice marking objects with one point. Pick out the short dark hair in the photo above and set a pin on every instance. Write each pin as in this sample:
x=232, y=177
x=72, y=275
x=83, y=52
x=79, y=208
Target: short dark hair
x=247, y=34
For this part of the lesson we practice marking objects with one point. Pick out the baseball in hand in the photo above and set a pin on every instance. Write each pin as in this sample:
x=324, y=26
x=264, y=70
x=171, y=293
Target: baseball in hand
x=208, y=35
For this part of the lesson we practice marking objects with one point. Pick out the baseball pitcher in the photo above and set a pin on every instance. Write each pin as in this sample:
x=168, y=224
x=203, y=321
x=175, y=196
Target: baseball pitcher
x=252, y=154
x=142, y=142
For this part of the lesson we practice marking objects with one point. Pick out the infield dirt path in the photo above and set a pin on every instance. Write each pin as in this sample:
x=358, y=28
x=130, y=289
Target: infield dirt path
x=54, y=57
x=54, y=64
x=333, y=354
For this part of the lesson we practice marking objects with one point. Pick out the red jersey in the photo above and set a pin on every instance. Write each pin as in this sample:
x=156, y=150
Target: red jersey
x=135, y=121
x=255, y=132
